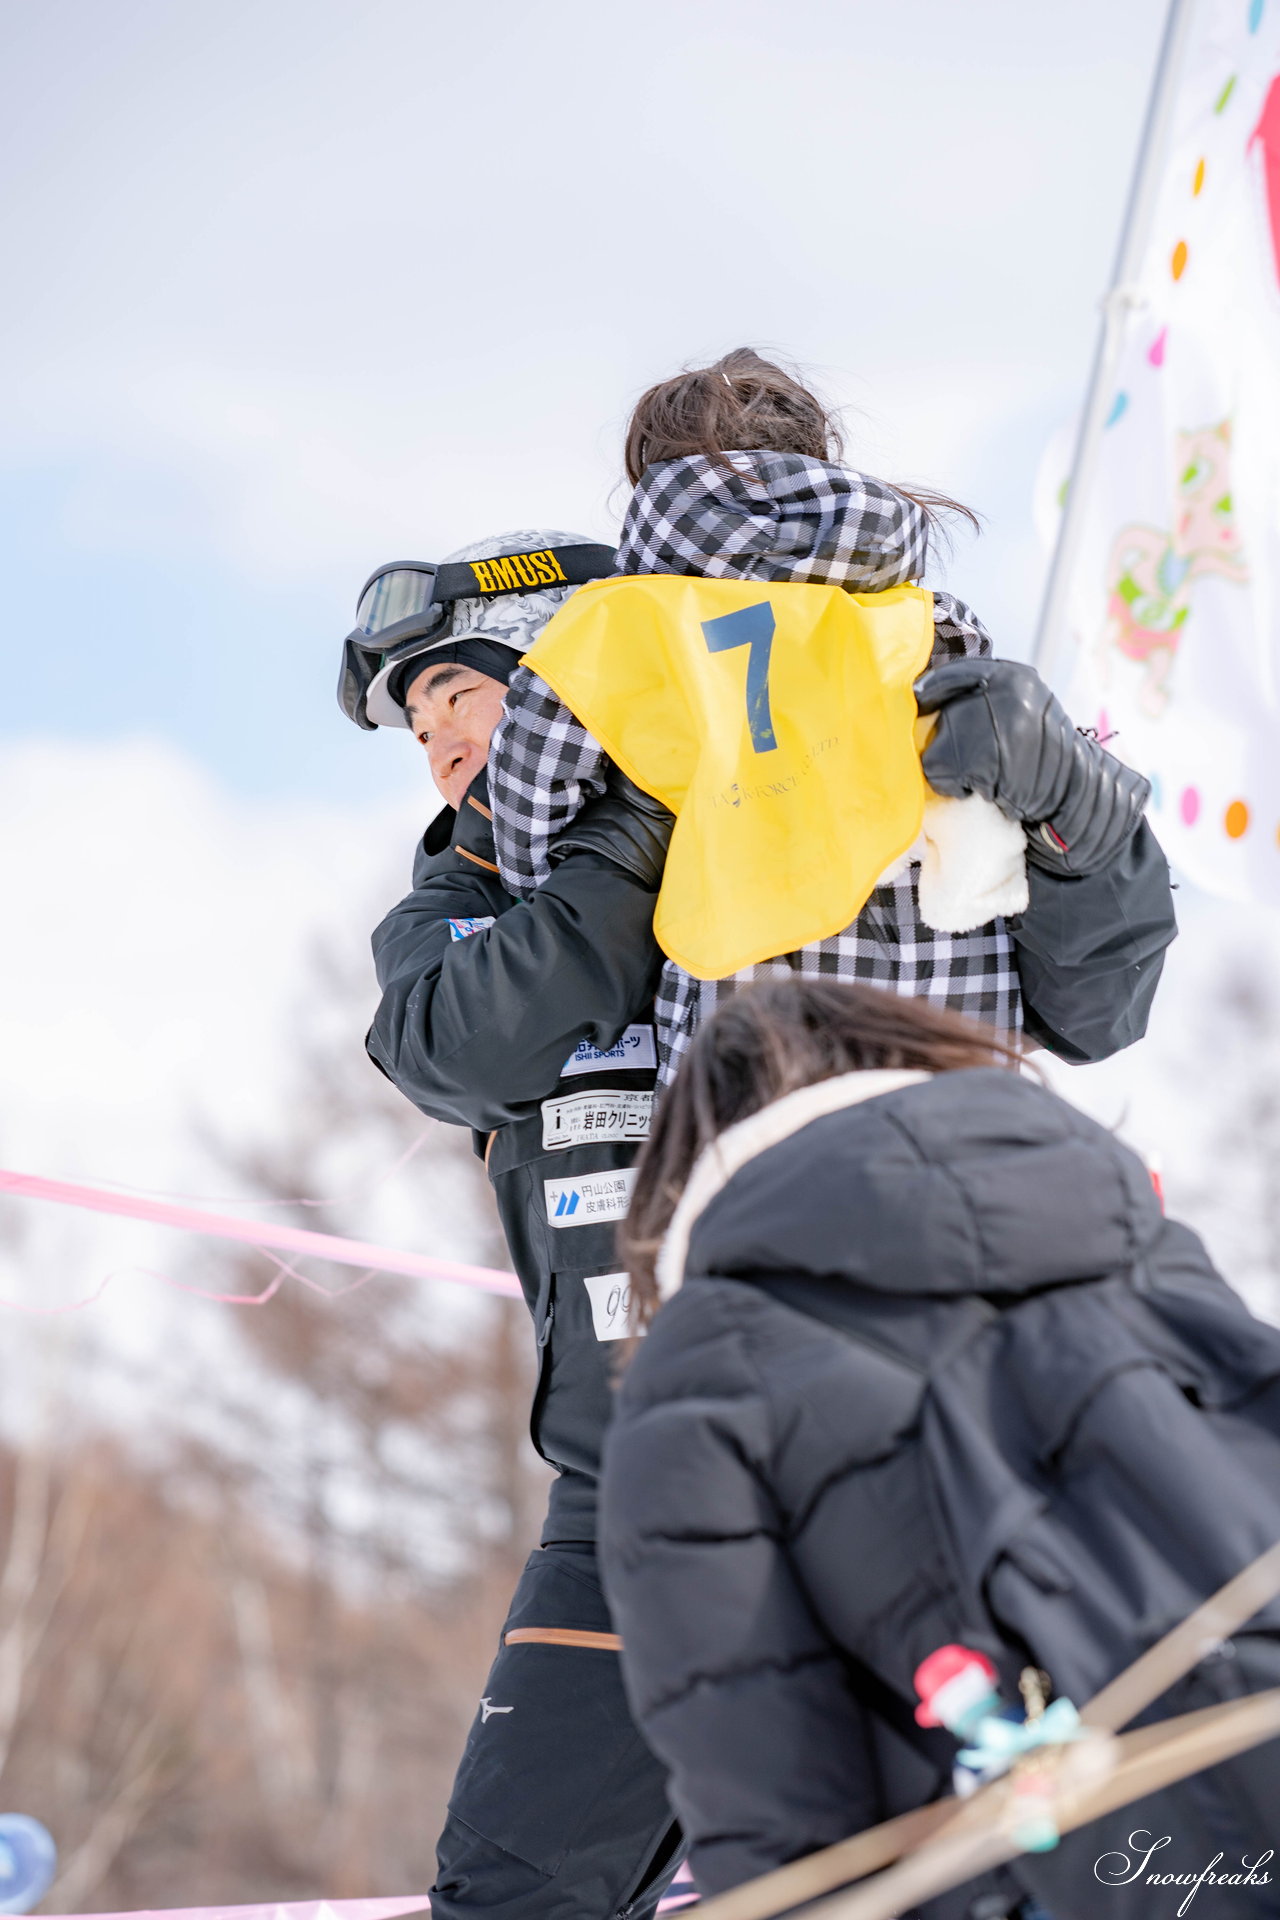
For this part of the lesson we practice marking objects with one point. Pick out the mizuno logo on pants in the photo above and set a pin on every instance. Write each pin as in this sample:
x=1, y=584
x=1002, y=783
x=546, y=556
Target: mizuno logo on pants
x=487, y=1707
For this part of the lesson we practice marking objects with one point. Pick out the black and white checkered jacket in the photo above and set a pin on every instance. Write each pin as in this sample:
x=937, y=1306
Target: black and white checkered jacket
x=758, y=516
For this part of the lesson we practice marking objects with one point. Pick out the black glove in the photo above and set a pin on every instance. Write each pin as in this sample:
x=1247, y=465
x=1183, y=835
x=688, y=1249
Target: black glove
x=1002, y=733
x=629, y=827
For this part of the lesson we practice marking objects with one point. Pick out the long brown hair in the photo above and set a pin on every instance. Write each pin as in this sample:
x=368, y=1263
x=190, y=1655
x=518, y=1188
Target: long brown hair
x=762, y=1043
x=740, y=403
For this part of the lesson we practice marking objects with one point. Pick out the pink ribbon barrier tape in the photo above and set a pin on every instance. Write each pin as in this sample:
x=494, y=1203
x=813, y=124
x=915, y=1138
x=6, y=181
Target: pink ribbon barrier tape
x=277, y=1910
x=294, y=1910
x=296, y=1240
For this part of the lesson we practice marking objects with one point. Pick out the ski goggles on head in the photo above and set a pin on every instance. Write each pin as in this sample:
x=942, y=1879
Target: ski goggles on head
x=406, y=608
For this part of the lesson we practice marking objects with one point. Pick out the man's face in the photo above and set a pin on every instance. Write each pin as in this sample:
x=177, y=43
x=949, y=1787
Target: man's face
x=453, y=710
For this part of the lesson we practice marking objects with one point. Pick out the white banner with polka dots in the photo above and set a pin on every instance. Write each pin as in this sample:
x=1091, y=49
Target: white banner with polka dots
x=1172, y=607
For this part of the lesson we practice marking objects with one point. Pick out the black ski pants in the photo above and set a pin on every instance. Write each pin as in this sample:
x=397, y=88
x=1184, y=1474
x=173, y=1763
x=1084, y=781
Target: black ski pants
x=558, y=1810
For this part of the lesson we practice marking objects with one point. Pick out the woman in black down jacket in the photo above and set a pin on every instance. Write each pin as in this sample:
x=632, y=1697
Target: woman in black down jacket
x=927, y=1350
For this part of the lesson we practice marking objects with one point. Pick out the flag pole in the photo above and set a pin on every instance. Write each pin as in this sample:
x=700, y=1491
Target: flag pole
x=1121, y=297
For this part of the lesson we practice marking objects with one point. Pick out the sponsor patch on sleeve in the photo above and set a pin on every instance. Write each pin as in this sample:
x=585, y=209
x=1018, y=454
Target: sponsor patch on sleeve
x=462, y=929
x=590, y=1198
x=610, y=1297
x=611, y=1114
x=636, y=1048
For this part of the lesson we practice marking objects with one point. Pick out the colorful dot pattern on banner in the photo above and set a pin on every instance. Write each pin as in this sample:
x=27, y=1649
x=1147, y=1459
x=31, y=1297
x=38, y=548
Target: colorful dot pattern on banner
x=1236, y=818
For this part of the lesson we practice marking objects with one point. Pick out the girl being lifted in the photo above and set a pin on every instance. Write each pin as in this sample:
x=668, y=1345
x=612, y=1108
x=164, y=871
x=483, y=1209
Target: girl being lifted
x=738, y=478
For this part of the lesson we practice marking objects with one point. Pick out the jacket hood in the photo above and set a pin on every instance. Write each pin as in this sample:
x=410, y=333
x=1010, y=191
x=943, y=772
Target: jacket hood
x=772, y=516
x=978, y=1181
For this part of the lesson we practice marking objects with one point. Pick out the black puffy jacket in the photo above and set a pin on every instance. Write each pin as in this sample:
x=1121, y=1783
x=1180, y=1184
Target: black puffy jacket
x=939, y=1344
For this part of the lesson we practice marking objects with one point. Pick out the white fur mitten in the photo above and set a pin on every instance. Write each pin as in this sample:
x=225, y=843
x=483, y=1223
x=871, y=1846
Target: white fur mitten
x=973, y=865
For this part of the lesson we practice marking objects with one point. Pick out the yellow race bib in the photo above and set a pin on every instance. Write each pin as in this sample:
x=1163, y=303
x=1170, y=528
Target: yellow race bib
x=776, y=723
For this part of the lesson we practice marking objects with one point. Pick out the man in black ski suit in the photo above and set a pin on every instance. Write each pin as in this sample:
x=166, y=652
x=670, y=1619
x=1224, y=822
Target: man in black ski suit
x=531, y=1023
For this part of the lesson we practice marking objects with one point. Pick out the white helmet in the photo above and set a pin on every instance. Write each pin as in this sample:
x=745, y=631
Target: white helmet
x=410, y=608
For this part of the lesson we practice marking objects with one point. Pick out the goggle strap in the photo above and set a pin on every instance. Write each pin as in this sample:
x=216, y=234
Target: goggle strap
x=531, y=572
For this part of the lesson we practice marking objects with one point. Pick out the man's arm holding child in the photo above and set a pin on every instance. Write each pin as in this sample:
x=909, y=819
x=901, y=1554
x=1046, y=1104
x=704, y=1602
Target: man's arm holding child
x=1091, y=944
x=474, y=1026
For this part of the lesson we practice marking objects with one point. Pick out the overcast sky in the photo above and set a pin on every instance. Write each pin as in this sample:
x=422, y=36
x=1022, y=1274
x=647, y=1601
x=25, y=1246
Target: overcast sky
x=299, y=286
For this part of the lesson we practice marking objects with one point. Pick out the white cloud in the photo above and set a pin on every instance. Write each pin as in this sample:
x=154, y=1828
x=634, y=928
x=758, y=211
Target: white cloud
x=157, y=931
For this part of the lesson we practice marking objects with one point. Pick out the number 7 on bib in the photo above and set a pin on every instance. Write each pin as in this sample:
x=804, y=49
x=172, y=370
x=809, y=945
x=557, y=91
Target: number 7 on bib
x=750, y=627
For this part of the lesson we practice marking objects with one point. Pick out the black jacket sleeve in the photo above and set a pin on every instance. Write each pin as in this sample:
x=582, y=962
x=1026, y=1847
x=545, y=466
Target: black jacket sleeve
x=734, y=1684
x=475, y=1030
x=1090, y=951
